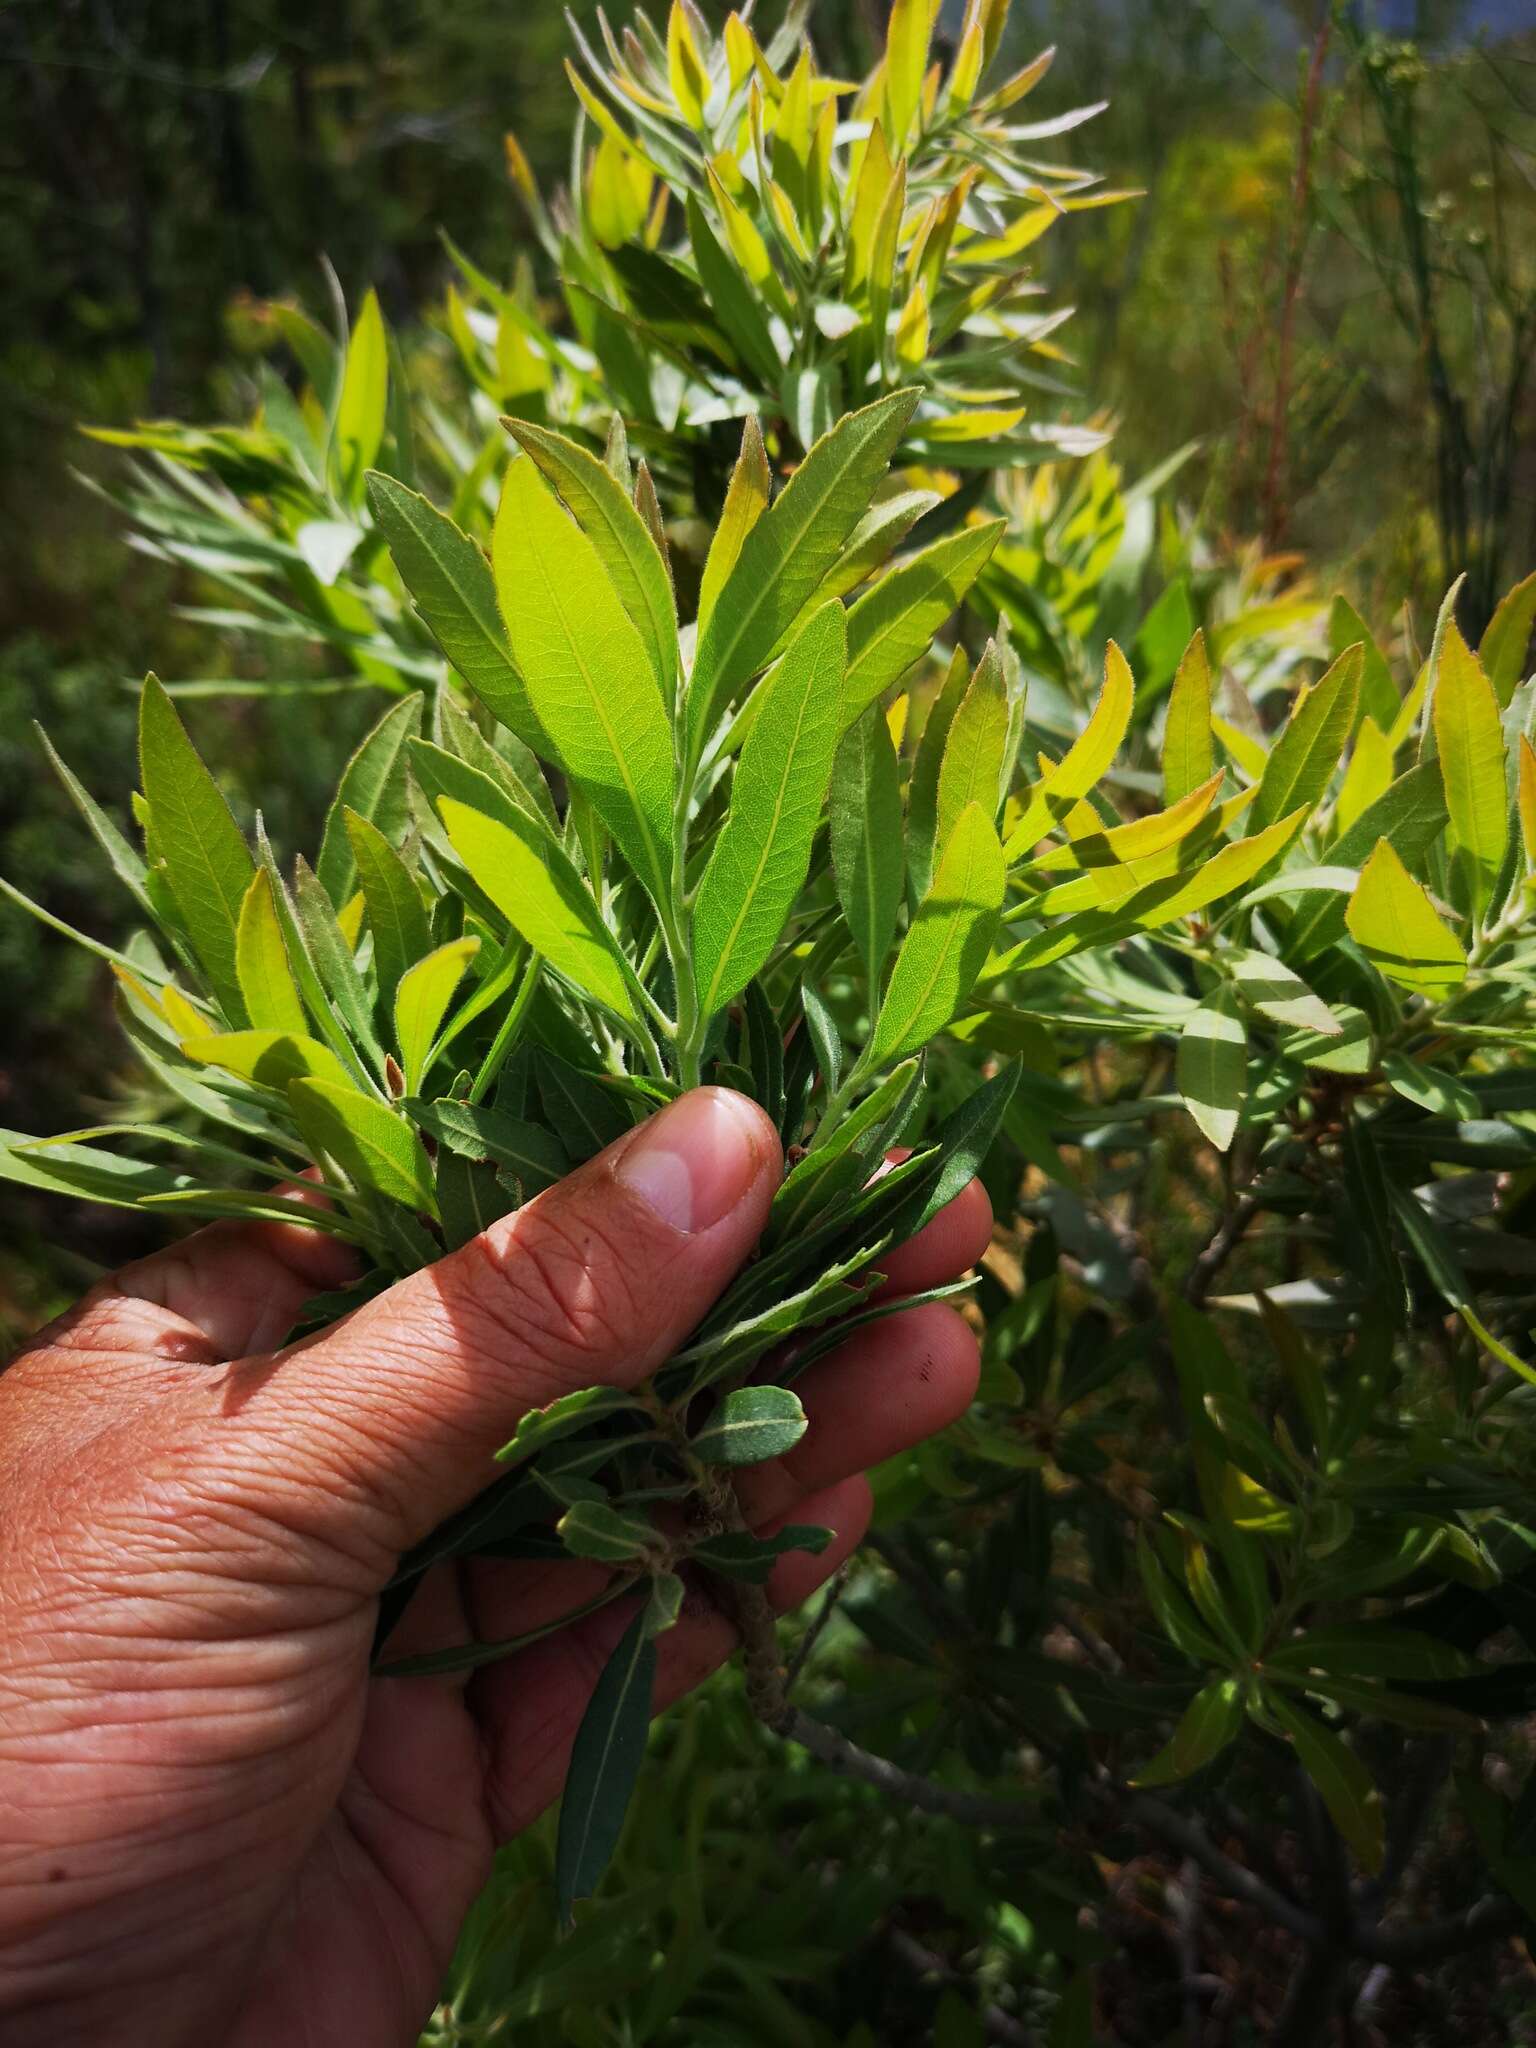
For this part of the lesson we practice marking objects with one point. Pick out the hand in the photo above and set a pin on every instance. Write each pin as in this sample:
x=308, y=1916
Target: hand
x=217, y=1826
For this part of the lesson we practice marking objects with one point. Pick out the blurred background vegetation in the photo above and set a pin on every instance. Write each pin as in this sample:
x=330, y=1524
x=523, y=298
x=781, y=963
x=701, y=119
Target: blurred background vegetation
x=1329, y=286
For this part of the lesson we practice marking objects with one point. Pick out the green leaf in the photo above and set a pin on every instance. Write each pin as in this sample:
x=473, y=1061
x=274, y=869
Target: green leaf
x=893, y=624
x=975, y=749
x=1303, y=760
x=1372, y=1650
x=543, y=1426
x=956, y=1150
x=746, y=500
x=841, y=1162
x=1432, y=1088
x=537, y=889
x=376, y=1148
x=604, y=512
x=1212, y=1067
x=587, y=1112
x=1342, y=1780
x=949, y=939
x=605, y=1763
x=1085, y=762
x=1275, y=991
x=927, y=766
x=396, y=915
x=758, y=865
x=1210, y=1722
x=371, y=786
x=588, y=675
x=1378, y=692
x=421, y=1003
x=208, y=866
x=272, y=1000
x=864, y=812
x=333, y=960
x=1503, y=647
x=533, y=1156
x=1470, y=738
x=592, y=1529
x=665, y=1604
x=1400, y=931
x=451, y=582
x=1411, y=814
x=1189, y=747
x=125, y=863
x=363, y=405
x=270, y=1058
x=740, y=1555
x=751, y=1425
x=789, y=550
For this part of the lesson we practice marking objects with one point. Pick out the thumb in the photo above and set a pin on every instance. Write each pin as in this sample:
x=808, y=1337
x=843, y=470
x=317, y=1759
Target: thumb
x=393, y=1417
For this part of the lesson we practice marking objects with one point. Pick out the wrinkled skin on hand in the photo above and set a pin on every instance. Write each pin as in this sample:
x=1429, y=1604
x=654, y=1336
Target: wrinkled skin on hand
x=217, y=1827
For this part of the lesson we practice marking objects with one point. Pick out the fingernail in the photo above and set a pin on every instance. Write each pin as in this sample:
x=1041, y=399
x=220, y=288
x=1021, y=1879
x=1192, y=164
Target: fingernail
x=695, y=1161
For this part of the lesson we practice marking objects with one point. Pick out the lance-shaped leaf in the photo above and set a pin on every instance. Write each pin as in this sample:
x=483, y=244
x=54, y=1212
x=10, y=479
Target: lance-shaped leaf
x=1470, y=738
x=421, y=1003
x=1378, y=692
x=1210, y=1722
x=531, y=1155
x=578, y=1410
x=372, y=786
x=1085, y=761
x=1411, y=813
x=790, y=549
x=972, y=768
x=397, y=916
x=894, y=623
x=759, y=861
x=1393, y=921
x=949, y=938
x=604, y=512
x=363, y=406
x=864, y=811
x=451, y=582
x=1189, y=747
x=750, y=1425
x=1505, y=644
x=272, y=999
x=1342, y=1780
x=746, y=500
x=587, y=672
x=906, y=60
x=741, y=1555
x=208, y=866
x=1275, y=991
x=605, y=1762
x=270, y=1058
x=535, y=886
x=375, y=1147
x=606, y=1535
x=1212, y=1067
x=1302, y=761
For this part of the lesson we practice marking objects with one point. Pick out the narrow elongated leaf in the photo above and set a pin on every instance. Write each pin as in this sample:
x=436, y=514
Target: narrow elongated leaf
x=943, y=951
x=605, y=1762
x=537, y=889
x=1275, y=991
x=759, y=862
x=1398, y=928
x=1368, y=777
x=1410, y=814
x=1189, y=747
x=606, y=515
x=374, y=1146
x=1378, y=692
x=746, y=500
x=1085, y=761
x=751, y=1425
x=533, y=1156
x=1506, y=642
x=421, y=1003
x=843, y=1160
x=126, y=864
x=270, y=1058
x=971, y=771
x=208, y=866
x=1342, y=1780
x=363, y=406
x=1212, y=1067
x=1303, y=760
x=790, y=549
x=864, y=809
x=272, y=1000
x=578, y=1410
x=894, y=623
x=451, y=582
x=396, y=915
x=606, y=1535
x=371, y=785
x=906, y=60
x=1470, y=738
x=1210, y=1722
x=587, y=672
x=333, y=961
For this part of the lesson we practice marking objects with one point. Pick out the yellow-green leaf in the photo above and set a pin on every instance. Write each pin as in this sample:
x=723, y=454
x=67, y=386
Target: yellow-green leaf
x=1085, y=761
x=1189, y=749
x=949, y=938
x=891, y=625
x=270, y=1058
x=1342, y=1780
x=1210, y=1721
x=272, y=1000
x=589, y=678
x=1303, y=760
x=1368, y=776
x=363, y=405
x=397, y=916
x=421, y=1003
x=972, y=766
x=1469, y=736
x=1503, y=647
x=1393, y=921
x=746, y=500
x=906, y=60
x=536, y=887
x=374, y=1146
x=685, y=67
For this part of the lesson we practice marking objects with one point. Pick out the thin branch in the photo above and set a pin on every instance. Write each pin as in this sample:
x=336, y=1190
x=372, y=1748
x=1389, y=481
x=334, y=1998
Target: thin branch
x=1176, y=1831
x=849, y=1761
x=1229, y=1234
x=1413, y=1945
